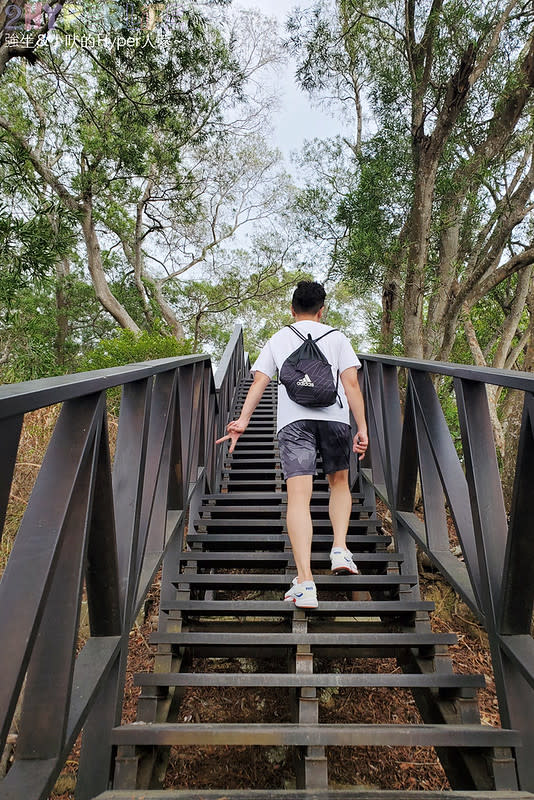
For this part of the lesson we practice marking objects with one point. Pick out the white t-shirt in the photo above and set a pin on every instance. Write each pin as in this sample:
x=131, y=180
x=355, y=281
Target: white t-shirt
x=337, y=349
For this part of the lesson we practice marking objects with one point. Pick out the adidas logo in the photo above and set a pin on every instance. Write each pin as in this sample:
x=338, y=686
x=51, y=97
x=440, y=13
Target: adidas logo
x=305, y=381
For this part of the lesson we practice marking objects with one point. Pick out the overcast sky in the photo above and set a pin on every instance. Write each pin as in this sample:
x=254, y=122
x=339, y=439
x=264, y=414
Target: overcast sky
x=298, y=119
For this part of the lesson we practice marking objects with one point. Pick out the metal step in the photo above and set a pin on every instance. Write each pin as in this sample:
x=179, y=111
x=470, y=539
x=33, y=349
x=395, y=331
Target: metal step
x=372, y=524
x=263, y=559
x=253, y=540
x=310, y=794
x=256, y=436
x=341, y=640
x=332, y=582
x=246, y=482
x=290, y=734
x=257, y=509
x=436, y=680
x=263, y=496
x=261, y=608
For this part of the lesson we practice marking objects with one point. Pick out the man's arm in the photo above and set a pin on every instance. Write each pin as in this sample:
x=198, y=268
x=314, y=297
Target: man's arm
x=349, y=379
x=239, y=426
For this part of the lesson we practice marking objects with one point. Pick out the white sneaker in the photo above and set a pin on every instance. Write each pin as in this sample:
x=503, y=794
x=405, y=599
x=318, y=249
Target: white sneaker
x=342, y=562
x=304, y=595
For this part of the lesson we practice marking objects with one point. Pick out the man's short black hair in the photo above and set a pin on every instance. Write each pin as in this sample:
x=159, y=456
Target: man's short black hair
x=308, y=297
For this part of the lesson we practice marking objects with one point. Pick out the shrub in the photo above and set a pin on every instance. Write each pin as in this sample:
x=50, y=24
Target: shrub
x=128, y=347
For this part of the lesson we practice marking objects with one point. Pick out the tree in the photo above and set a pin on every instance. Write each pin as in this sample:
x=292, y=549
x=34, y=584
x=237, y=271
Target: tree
x=450, y=88
x=151, y=150
x=250, y=286
x=236, y=182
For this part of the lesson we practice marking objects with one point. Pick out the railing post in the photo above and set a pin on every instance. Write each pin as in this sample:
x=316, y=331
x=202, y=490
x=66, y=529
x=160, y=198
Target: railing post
x=229, y=373
x=517, y=600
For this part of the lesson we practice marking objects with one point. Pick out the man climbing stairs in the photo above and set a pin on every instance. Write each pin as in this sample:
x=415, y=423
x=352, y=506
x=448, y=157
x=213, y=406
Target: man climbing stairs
x=229, y=580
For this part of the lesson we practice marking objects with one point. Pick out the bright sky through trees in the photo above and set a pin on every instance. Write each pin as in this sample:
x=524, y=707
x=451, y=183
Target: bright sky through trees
x=297, y=119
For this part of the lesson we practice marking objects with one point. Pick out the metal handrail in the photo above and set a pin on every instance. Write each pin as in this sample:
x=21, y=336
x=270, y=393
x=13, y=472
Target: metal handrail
x=410, y=445
x=17, y=398
x=100, y=528
x=514, y=379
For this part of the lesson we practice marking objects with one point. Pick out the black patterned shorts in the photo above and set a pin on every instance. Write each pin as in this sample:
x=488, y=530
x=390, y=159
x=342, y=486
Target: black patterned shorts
x=299, y=442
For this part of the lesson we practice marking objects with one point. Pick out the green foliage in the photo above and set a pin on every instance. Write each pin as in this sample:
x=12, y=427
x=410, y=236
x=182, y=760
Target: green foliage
x=40, y=339
x=29, y=249
x=127, y=347
x=259, y=299
x=407, y=70
x=29, y=339
x=373, y=212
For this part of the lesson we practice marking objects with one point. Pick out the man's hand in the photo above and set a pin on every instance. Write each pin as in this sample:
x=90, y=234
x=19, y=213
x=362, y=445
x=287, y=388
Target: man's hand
x=239, y=426
x=360, y=444
x=235, y=429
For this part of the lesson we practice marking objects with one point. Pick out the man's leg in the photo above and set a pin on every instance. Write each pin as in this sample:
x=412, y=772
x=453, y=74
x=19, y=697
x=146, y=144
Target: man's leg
x=339, y=506
x=339, y=509
x=299, y=523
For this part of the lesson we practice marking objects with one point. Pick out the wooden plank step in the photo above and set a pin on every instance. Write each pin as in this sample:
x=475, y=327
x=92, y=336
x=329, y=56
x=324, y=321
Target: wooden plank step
x=267, y=405
x=261, y=608
x=353, y=582
x=260, y=488
x=436, y=680
x=265, y=420
x=261, y=559
x=237, y=469
x=265, y=444
x=311, y=794
x=259, y=538
x=290, y=734
x=238, y=459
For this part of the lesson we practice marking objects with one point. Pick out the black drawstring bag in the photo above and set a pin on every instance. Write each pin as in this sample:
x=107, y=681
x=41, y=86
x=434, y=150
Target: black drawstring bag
x=307, y=375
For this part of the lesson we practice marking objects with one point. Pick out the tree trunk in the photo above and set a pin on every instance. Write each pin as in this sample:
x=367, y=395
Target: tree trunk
x=138, y=257
x=514, y=410
x=85, y=209
x=168, y=312
x=440, y=301
x=491, y=392
x=390, y=308
x=417, y=252
x=96, y=268
x=62, y=317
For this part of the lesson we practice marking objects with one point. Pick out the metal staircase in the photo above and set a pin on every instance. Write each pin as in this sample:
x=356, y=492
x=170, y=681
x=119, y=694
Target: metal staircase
x=103, y=518
x=237, y=545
